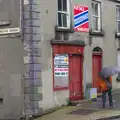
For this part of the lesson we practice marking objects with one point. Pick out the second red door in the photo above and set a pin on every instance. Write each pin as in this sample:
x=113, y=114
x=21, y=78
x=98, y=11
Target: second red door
x=96, y=68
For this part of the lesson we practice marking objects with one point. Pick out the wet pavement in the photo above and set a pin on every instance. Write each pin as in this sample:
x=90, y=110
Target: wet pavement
x=98, y=104
x=91, y=110
x=64, y=114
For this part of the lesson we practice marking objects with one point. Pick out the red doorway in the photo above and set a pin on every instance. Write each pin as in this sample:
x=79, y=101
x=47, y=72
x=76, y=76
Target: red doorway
x=75, y=78
x=96, y=67
x=75, y=53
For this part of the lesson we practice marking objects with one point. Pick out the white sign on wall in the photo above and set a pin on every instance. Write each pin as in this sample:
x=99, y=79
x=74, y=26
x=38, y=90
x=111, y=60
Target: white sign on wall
x=93, y=93
x=61, y=69
x=9, y=30
x=61, y=65
x=26, y=59
x=26, y=2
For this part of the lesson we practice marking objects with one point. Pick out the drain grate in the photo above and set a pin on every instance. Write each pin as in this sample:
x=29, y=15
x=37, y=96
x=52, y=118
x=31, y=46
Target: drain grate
x=83, y=112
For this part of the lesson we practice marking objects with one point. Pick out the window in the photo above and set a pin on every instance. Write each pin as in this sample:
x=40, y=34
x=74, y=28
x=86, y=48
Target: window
x=118, y=19
x=96, y=16
x=63, y=14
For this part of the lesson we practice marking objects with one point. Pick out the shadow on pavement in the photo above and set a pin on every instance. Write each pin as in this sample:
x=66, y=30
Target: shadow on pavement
x=83, y=112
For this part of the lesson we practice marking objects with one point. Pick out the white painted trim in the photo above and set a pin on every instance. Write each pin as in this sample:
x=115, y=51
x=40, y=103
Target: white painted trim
x=118, y=58
x=96, y=0
x=81, y=24
x=118, y=34
x=117, y=20
x=68, y=15
x=68, y=11
x=26, y=2
x=9, y=30
x=99, y=15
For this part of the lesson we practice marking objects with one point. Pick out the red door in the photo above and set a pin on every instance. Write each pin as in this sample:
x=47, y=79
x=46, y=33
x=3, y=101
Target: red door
x=75, y=76
x=96, y=68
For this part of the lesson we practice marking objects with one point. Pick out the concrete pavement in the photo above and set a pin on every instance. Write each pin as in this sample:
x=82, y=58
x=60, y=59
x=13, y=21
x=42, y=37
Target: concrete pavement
x=64, y=114
x=86, y=111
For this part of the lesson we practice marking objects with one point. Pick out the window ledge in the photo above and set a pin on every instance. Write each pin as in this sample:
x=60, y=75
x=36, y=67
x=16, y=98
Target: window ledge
x=117, y=35
x=95, y=33
x=60, y=29
x=60, y=88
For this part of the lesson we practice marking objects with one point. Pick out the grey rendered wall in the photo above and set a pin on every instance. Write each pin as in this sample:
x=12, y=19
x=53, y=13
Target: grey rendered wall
x=106, y=42
x=109, y=42
x=11, y=67
x=48, y=16
x=109, y=26
x=11, y=63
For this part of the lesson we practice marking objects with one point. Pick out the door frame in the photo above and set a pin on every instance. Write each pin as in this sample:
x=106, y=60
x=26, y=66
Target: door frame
x=66, y=48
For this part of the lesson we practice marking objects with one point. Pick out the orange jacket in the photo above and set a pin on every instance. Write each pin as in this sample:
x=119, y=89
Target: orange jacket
x=102, y=84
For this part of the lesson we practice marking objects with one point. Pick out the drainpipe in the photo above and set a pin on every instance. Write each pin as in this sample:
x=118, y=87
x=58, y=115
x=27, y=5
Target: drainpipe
x=32, y=49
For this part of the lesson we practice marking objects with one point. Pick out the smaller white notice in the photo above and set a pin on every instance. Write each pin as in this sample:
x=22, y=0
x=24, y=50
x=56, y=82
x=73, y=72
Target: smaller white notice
x=9, y=30
x=61, y=69
x=61, y=65
x=26, y=59
x=26, y=2
x=93, y=93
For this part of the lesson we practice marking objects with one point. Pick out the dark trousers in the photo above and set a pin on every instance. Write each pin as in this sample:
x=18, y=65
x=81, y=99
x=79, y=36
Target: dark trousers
x=104, y=98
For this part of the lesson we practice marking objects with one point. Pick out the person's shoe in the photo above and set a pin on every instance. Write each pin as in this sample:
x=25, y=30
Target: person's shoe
x=104, y=106
x=111, y=105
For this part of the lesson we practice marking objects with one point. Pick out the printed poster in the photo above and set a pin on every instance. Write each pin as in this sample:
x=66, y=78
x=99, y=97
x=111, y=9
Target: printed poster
x=93, y=93
x=81, y=18
x=61, y=70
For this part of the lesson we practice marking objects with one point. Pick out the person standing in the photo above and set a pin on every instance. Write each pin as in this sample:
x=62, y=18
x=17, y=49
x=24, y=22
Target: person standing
x=106, y=88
